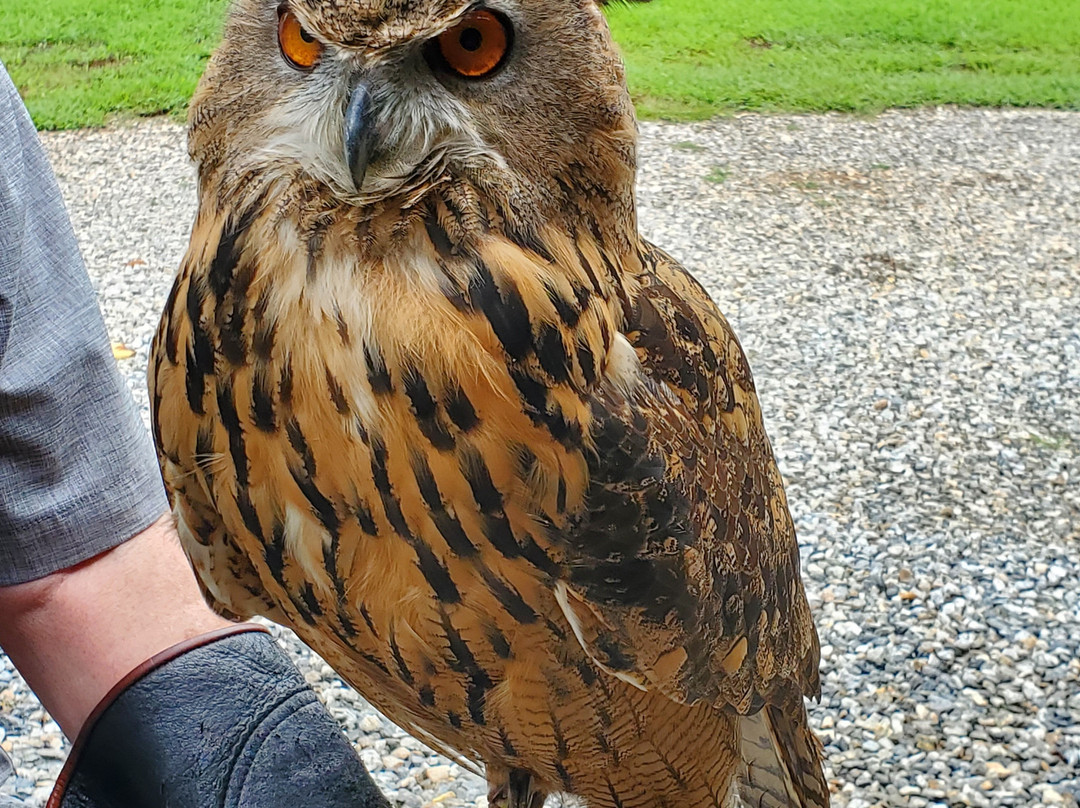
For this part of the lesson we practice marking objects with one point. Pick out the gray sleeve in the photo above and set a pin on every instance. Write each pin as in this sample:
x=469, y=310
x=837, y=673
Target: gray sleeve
x=77, y=472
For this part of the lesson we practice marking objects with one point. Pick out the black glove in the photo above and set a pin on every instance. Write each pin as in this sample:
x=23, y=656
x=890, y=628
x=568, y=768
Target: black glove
x=222, y=721
x=7, y=769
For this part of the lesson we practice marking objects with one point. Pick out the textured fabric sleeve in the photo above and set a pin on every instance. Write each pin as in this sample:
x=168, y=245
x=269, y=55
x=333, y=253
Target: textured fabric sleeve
x=77, y=472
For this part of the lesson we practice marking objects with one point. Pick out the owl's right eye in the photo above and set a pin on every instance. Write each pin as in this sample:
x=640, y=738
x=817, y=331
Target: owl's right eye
x=300, y=49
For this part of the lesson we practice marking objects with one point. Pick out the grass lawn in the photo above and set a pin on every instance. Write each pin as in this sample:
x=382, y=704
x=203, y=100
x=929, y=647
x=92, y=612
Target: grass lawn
x=77, y=62
x=694, y=58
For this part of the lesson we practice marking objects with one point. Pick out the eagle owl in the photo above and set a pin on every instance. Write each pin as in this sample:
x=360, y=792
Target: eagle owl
x=422, y=393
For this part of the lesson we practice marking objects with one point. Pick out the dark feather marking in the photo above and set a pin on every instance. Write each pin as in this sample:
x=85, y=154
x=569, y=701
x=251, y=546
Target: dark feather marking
x=447, y=525
x=201, y=353
x=585, y=265
x=346, y=624
x=498, y=642
x=565, y=431
x=423, y=407
x=437, y=233
x=455, y=211
x=155, y=424
x=551, y=352
x=304, y=477
x=568, y=313
x=586, y=363
x=262, y=401
x=618, y=803
x=464, y=662
x=427, y=696
x=535, y=555
x=262, y=338
x=602, y=712
x=504, y=309
x=438, y=577
x=231, y=421
x=312, y=603
x=172, y=332
x=500, y=535
x=230, y=246
x=534, y=397
x=330, y=558
x=285, y=385
x=497, y=528
x=274, y=552
x=460, y=410
x=555, y=630
x=508, y=747
x=364, y=518
x=230, y=317
x=364, y=613
x=399, y=660
x=377, y=374
x=564, y=776
x=302, y=609
x=509, y=597
x=248, y=513
x=454, y=719
x=337, y=393
x=587, y=673
x=342, y=326
x=527, y=240
x=390, y=503
x=369, y=658
x=616, y=281
x=476, y=472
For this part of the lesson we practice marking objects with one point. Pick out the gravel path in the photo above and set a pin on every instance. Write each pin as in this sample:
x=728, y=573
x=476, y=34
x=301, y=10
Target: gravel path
x=908, y=289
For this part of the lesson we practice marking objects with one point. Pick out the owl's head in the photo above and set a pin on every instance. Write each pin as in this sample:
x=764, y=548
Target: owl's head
x=380, y=100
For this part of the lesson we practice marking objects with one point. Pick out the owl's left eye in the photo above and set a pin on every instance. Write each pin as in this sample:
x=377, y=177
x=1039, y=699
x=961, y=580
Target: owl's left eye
x=476, y=47
x=300, y=49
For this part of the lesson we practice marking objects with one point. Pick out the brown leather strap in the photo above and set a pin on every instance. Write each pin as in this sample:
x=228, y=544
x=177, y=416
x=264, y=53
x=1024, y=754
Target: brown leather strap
x=154, y=662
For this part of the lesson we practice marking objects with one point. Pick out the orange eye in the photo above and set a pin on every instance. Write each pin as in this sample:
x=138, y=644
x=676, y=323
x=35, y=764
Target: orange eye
x=299, y=48
x=476, y=45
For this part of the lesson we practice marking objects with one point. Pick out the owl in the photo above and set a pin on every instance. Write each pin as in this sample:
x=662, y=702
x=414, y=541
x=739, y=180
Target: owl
x=422, y=393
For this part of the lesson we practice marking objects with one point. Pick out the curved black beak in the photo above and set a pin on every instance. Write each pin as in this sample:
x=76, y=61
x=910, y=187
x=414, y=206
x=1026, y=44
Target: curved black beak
x=359, y=133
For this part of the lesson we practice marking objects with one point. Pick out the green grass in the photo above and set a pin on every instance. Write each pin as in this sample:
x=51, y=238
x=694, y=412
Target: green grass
x=695, y=58
x=718, y=174
x=78, y=62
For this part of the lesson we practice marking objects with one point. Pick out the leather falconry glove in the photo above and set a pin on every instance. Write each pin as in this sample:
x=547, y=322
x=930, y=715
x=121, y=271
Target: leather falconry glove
x=223, y=720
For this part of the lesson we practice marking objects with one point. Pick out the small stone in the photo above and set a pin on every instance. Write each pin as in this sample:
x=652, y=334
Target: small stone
x=437, y=774
x=1051, y=796
x=370, y=723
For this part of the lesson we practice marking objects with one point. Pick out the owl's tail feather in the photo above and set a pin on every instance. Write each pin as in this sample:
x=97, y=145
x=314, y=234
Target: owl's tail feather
x=781, y=761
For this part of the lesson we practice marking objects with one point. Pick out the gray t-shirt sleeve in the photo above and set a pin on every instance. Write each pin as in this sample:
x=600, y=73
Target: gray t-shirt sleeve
x=77, y=472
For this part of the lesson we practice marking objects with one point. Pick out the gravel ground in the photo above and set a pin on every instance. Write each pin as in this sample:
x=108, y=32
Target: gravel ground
x=907, y=289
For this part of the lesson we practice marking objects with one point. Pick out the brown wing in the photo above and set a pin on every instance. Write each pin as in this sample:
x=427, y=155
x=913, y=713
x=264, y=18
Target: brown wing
x=189, y=441
x=683, y=569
